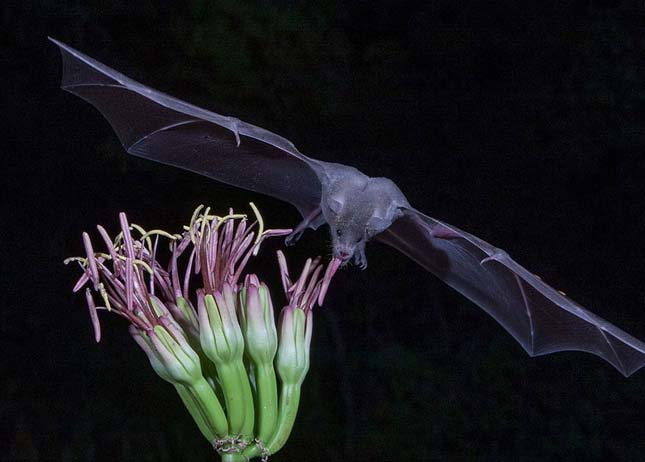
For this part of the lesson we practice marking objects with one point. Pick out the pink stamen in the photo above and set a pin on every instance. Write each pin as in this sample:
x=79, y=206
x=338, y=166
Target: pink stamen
x=187, y=273
x=91, y=261
x=127, y=237
x=332, y=267
x=301, y=280
x=84, y=279
x=93, y=315
x=129, y=284
x=138, y=288
x=284, y=271
x=313, y=283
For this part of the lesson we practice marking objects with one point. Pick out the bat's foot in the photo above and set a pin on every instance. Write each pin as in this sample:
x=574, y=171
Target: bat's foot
x=313, y=220
x=360, y=259
x=294, y=237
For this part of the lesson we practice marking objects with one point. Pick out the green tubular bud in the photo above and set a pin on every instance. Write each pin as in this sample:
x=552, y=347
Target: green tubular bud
x=169, y=353
x=181, y=362
x=196, y=393
x=222, y=341
x=145, y=343
x=292, y=360
x=220, y=333
x=261, y=337
x=261, y=343
x=292, y=364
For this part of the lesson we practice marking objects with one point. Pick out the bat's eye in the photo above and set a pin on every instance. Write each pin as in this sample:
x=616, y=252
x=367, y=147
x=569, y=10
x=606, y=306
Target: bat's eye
x=339, y=233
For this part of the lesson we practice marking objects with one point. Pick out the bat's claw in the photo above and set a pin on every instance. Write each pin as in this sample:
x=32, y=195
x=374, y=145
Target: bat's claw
x=360, y=259
x=235, y=128
x=292, y=238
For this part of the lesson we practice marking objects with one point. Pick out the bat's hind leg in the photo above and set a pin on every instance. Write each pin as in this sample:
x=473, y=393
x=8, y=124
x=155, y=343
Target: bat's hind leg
x=313, y=221
x=360, y=259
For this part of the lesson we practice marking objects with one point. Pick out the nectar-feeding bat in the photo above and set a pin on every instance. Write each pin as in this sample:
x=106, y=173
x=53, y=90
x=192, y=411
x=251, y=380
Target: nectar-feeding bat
x=356, y=207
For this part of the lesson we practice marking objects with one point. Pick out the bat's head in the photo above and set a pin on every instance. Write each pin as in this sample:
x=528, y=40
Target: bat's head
x=357, y=210
x=348, y=225
x=346, y=241
x=351, y=228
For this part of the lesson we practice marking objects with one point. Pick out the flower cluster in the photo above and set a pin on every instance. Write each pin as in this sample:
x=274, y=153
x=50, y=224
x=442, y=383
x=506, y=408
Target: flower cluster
x=217, y=344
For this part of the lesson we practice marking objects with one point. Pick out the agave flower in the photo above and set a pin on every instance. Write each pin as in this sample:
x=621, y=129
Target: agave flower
x=202, y=350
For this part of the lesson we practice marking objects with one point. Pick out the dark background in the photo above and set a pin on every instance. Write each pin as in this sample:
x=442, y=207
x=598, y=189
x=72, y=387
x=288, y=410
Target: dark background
x=521, y=122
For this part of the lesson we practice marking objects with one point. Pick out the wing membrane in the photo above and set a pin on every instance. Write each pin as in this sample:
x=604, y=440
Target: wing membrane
x=158, y=127
x=539, y=317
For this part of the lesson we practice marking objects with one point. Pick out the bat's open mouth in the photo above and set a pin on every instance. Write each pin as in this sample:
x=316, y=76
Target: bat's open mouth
x=343, y=253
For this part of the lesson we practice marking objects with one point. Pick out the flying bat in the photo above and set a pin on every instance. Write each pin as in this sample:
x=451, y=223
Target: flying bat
x=356, y=207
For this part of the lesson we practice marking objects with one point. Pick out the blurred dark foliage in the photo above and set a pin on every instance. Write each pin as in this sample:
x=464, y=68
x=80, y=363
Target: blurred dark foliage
x=522, y=122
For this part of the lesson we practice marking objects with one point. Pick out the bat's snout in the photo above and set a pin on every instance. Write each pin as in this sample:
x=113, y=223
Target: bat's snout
x=343, y=253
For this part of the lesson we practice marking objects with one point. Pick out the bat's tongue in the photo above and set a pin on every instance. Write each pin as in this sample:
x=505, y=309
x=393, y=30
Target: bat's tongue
x=332, y=267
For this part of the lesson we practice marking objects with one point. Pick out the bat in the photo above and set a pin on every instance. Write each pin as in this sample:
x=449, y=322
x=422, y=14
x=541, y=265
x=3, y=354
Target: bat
x=357, y=208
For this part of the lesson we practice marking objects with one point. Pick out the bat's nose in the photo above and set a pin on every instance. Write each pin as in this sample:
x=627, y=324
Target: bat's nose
x=344, y=254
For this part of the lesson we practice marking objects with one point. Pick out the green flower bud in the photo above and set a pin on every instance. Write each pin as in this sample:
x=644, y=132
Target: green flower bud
x=180, y=361
x=292, y=361
x=220, y=334
x=170, y=355
x=222, y=341
x=258, y=321
x=145, y=343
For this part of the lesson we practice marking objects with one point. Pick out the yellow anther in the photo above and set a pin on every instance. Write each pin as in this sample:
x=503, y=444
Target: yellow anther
x=104, y=296
x=260, y=222
x=225, y=218
x=143, y=264
x=118, y=238
x=143, y=233
x=191, y=226
x=161, y=232
x=204, y=223
x=68, y=260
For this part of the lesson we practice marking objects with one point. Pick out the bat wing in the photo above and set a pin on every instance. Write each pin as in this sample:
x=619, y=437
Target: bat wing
x=156, y=126
x=539, y=317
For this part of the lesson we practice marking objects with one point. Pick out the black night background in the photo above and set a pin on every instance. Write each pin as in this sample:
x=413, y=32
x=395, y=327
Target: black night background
x=520, y=122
